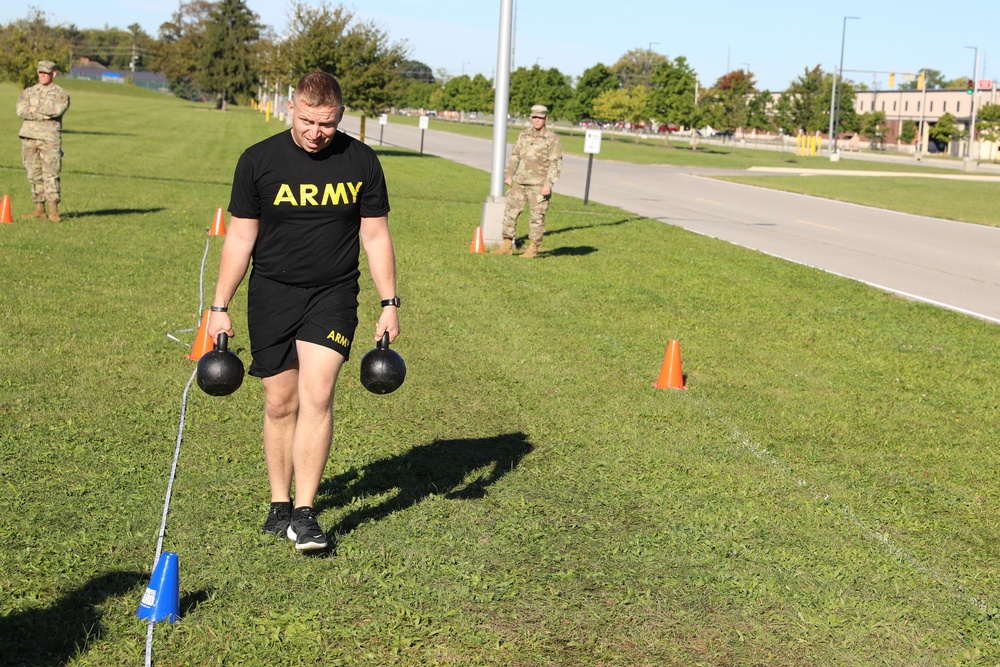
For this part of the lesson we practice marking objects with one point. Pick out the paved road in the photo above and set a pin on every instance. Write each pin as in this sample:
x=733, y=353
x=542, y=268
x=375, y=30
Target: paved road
x=951, y=264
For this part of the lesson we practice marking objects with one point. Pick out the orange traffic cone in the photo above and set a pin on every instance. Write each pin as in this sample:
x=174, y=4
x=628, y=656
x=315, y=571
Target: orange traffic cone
x=219, y=224
x=5, y=210
x=671, y=376
x=202, y=342
x=477, y=241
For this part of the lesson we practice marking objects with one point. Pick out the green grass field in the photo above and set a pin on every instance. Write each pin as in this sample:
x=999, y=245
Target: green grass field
x=822, y=494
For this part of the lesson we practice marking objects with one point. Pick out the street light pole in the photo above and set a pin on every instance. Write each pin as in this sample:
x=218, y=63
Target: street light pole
x=834, y=106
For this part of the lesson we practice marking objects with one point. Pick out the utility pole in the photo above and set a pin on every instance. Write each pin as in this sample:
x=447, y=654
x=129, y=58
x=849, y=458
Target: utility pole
x=834, y=107
x=492, y=215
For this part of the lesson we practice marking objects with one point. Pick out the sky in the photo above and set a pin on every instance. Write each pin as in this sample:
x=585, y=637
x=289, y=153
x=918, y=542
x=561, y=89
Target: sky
x=777, y=40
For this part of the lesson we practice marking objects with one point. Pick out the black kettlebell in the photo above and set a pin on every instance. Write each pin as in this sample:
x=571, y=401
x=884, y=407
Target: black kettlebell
x=382, y=369
x=220, y=372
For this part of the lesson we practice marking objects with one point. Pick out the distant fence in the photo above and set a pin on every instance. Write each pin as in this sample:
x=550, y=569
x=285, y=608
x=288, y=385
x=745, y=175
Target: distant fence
x=149, y=80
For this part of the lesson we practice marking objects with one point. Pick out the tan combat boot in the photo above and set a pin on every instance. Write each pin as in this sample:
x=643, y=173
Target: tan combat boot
x=39, y=211
x=54, y=212
x=531, y=251
x=507, y=248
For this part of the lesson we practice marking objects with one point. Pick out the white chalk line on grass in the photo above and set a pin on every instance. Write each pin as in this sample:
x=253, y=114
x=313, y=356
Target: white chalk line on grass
x=177, y=446
x=892, y=548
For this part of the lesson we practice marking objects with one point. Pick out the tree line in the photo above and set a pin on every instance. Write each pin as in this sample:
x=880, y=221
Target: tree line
x=219, y=50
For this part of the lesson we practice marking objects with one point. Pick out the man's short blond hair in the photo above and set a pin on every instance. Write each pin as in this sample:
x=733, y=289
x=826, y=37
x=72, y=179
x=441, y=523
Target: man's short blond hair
x=318, y=89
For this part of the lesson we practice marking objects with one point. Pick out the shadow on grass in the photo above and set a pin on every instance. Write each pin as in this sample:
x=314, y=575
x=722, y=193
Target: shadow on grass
x=98, y=134
x=112, y=211
x=456, y=469
x=613, y=223
x=391, y=152
x=54, y=634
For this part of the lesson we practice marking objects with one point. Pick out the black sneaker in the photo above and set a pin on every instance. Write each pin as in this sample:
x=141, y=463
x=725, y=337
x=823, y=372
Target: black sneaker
x=278, y=519
x=305, y=530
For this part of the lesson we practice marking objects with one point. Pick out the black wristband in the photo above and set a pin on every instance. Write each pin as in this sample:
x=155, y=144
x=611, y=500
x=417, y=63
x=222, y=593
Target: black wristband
x=394, y=301
x=219, y=309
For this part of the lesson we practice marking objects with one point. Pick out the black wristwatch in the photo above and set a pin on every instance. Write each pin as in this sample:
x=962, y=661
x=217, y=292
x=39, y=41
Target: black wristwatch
x=394, y=301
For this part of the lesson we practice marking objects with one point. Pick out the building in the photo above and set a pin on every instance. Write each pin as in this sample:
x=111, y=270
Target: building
x=925, y=108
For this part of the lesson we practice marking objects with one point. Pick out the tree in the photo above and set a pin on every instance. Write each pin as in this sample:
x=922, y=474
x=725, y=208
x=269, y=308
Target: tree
x=783, y=116
x=359, y=55
x=807, y=96
x=933, y=80
x=115, y=48
x=537, y=86
x=759, y=112
x=227, y=57
x=671, y=96
x=316, y=40
x=463, y=93
x=945, y=129
x=988, y=125
x=909, y=132
x=369, y=65
x=176, y=51
x=726, y=103
x=414, y=70
x=873, y=126
x=415, y=85
x=620, y=104
x=23, y=40
x=595, y=80
x=636, y=67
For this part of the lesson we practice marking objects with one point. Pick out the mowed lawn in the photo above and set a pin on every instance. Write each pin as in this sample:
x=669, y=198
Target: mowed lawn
x=823, y=493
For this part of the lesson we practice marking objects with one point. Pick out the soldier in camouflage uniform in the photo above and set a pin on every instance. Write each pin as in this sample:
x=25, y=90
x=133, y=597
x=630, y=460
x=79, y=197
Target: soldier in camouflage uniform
x=533, y=168
x=42, y=107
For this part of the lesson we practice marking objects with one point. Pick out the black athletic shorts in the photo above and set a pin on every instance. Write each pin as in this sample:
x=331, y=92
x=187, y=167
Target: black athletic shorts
x=279, y=314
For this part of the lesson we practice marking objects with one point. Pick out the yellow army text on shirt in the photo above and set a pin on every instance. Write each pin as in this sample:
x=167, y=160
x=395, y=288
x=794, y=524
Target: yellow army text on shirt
x=536, y=158
x=45, y=122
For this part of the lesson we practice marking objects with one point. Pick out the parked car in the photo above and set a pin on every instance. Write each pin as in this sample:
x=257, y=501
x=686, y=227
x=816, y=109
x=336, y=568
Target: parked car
x=667, y=127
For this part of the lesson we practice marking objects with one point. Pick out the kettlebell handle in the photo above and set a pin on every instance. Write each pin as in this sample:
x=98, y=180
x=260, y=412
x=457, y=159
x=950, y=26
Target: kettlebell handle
x=223, y=342
x=383, y=344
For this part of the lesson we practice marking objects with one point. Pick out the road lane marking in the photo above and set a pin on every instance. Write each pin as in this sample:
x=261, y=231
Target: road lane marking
x=816, y=224
x=709, y=201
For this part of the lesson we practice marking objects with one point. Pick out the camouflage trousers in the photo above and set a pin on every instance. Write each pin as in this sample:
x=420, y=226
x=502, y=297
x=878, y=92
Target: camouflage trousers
x=516, y=197
x=43, y=161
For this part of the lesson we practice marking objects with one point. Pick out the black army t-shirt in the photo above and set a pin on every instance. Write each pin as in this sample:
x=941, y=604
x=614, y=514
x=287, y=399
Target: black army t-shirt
x=310, y=207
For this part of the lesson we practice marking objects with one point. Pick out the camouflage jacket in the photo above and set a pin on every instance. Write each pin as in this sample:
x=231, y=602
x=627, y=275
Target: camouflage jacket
x=45, y=122
x=536, y=158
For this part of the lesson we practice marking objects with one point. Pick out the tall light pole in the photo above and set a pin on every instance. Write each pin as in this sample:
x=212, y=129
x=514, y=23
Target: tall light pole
x=975, y=94
x=834, y=106
x=492, y=216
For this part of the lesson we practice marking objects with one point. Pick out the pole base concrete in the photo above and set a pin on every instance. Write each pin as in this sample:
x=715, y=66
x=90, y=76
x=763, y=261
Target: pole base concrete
x=492, y=221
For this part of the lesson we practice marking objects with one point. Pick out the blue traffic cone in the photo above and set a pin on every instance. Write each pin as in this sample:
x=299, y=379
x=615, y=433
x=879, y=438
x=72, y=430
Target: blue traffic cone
x=162, y=597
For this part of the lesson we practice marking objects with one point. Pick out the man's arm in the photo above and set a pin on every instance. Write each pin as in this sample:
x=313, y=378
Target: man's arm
x=512, y=162
x=24, y=110
x=240, y=239
x=54, y=105
x=377, y=241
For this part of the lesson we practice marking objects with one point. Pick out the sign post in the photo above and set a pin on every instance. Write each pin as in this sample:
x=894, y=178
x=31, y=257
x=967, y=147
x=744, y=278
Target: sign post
x=382, y=120
x=591, y=146
x=424, y=124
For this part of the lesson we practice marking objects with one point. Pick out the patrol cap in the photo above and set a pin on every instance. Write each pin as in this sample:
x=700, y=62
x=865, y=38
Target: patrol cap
x=539, y=111
x=46, y=66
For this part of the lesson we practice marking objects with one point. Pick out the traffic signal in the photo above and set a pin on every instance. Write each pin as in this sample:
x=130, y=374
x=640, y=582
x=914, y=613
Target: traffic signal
x=892, y=80
x=921, y=81
x=971, y=86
